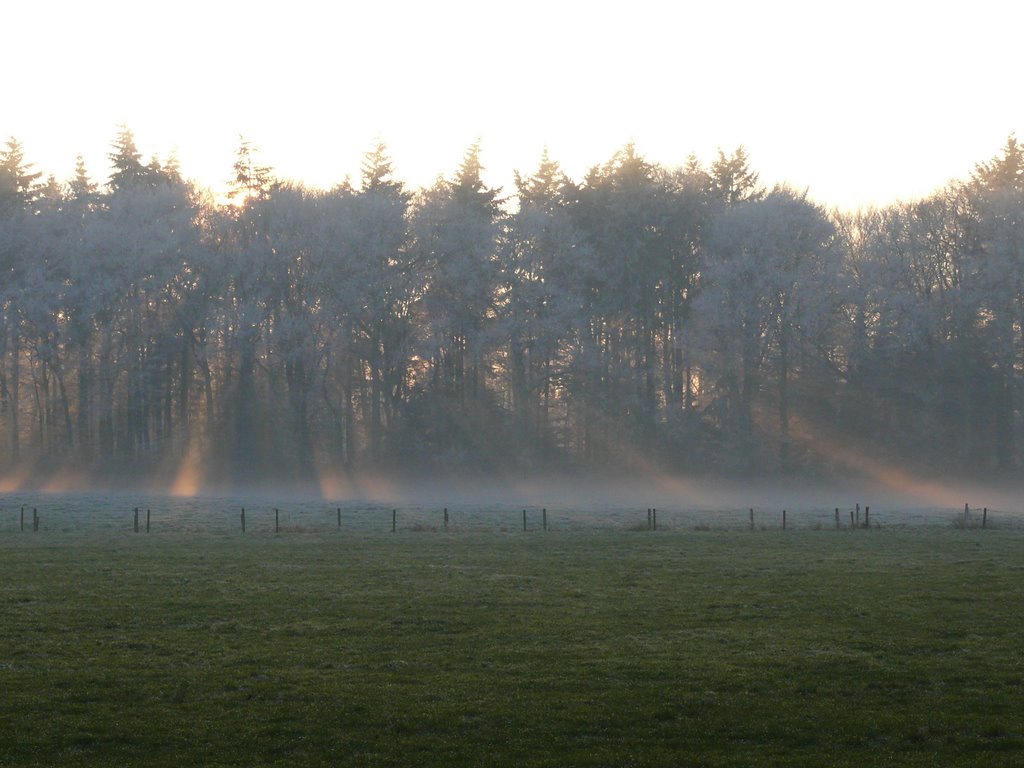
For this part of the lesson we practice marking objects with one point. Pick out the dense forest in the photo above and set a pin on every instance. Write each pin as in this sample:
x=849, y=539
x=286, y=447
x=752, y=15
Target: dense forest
x=644, y=318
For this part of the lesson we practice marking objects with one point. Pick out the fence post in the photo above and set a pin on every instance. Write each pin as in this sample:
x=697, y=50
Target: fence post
x=544, y=517
x=22, y=519
x=837, y=518
x=648, y=518
x=851, y=518
x=524, y=519
x=394, y=519
x=446, y=518
x=751, y=518
x=984, y=517
x=243, y=519
x=654, y=518
x=858, y=514
x=967, y=513
x=147, y=521
x=867, y=517
x=277, y=522
x=339, y=517
x=783, y=519
x=35, y=519
x=136, y=519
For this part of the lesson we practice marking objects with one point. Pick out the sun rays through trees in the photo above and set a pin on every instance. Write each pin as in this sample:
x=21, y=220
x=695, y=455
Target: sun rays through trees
x=644, y=317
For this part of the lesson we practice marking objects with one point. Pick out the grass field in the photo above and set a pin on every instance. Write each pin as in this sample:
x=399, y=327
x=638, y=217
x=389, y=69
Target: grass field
x=596, y=647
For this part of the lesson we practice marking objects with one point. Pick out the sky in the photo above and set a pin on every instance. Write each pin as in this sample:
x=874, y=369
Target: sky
x=859, y=103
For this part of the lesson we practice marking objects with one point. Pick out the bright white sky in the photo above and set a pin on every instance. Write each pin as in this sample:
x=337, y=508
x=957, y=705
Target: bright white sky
x=860, y=102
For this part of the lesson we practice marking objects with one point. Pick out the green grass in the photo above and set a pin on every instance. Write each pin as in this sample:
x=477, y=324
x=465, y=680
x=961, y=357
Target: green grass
x=605, y=648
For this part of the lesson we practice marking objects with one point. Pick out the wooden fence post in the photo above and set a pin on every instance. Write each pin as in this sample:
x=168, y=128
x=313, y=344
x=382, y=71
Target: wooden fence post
x=783, y=519
x=544, y=517
x=751, y=518
x=147, y=521
x=524, y=519
x=277, y=522
x=339, y=517
x=984, y=517
x=136, y=519
x=867, y=517
x=243, y=519
x=851, y=519
x=837, y=518
x=23, y=519
x=446, y=518
x=394, y=520
x=654, y=518
x=648, y=518
x=967, y=513
x=35, y=519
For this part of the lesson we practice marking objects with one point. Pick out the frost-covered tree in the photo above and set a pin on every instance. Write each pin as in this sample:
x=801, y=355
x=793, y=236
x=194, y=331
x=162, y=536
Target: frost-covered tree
x=996, y=197
x=82, y=187
x=732, y=180
x=19, y=236
x=294, y=225
x=378, y=246
x=126, y=161
x=456, y=225
x=769, y=297
x=541, y=299
x=251, y=179
x=674, y=317
x=623, y=211
x=19, y=184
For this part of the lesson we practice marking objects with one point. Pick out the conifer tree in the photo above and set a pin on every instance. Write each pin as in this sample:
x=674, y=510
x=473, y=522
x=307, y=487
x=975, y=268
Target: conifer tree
x=126, y=161
x=82, y=187
x=732, y=179
x=19, y=185
x=252, y=181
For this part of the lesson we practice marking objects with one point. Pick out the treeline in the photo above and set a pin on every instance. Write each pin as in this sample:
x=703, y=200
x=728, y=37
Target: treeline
x=644, y=317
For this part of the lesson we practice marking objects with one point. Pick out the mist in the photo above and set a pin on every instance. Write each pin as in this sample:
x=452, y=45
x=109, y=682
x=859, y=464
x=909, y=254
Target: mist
x=648, y=335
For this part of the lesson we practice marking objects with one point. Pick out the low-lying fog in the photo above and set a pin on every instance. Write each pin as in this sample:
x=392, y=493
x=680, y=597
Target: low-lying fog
x=582, y=493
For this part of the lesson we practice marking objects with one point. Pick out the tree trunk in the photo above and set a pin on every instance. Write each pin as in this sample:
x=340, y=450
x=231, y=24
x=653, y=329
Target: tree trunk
x=245, y=448
x=784, y=448
x=376, y=405
x=184, y=379
x=15, y=394
x=84, y=414
x=106, y=395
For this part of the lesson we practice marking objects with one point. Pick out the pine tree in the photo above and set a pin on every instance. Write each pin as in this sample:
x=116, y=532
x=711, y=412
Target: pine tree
x=171, y=169
x=547, y=188
x=468, y=187
x=126, y=161
x=456, y=225
x=1002, y=173
x=19, y=186
x=377, y=171
x=252, y=181
x=732, y=179
x=52, y=193
x=81, y=186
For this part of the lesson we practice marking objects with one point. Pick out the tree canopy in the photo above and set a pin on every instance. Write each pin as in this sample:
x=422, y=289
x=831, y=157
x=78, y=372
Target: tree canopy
x=664, y=318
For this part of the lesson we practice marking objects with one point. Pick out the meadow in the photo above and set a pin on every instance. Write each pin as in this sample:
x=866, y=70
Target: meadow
x=585, y=645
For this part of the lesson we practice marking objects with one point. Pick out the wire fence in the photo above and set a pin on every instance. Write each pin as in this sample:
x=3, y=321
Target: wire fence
x=126, y=513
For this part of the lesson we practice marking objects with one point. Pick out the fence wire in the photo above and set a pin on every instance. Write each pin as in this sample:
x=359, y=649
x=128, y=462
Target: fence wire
x=112, y=513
